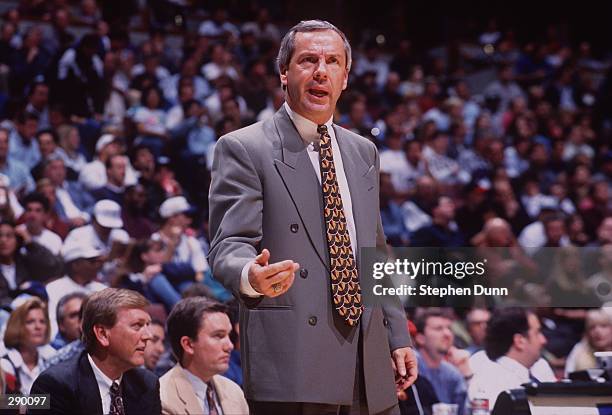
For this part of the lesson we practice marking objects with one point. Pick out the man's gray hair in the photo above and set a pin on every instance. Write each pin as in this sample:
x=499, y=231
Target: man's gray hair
x=287, y=46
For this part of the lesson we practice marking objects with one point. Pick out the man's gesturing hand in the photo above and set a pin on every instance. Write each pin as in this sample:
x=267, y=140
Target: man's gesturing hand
x=405, y=367
x=271, y=280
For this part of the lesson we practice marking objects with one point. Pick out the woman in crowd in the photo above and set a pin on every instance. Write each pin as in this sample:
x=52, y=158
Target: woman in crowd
x=597, y=338
x=32, y=263
x=27, y=342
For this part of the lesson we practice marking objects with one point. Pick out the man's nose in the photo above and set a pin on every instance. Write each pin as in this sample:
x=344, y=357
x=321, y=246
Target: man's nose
x=321, y=70
x=146, y=334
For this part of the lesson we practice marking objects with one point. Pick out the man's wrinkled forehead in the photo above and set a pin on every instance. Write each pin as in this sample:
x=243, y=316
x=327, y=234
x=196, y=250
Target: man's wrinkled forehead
x=325, y=41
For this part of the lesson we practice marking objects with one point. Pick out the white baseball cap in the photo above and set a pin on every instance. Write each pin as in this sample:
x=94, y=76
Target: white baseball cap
x=104, y=140
x=75, y=248
x=108, y=214
x=174, y=205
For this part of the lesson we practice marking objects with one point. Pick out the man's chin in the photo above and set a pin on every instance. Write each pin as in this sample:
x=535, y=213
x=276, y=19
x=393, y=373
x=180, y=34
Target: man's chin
x=319, y=109
x=137, y=361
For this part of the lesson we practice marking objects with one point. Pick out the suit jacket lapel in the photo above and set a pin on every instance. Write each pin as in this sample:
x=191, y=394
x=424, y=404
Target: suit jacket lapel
x=296, y=171
x=131, y=396
x=185, y=392
x=361, y=180
x=225, y=400
x=89, y=395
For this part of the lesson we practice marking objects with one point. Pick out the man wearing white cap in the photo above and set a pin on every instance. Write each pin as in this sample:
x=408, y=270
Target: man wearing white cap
x=103, y=233
x=180, y=246
x=83, y=262
x=93, y=174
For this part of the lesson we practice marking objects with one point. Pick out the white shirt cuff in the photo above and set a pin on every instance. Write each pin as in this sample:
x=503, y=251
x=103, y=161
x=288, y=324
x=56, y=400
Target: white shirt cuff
x=245, y=285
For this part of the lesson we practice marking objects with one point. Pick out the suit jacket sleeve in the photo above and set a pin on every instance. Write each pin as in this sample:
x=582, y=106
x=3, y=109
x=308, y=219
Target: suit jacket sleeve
x=61, y=397
x=397, y=324
x=236, y=206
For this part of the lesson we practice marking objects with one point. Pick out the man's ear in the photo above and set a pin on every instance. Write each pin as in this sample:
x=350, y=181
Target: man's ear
x=102, y=335
x=186, y=344
x=345, y=81
x=518, y=341
x=283, y=76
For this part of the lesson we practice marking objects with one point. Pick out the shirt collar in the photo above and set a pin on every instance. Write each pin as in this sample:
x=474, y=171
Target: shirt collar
x=306, y=128
x=101, y=378
x=199, y=386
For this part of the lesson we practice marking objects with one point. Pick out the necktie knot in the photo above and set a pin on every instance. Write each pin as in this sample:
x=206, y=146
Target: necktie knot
x=322, y=129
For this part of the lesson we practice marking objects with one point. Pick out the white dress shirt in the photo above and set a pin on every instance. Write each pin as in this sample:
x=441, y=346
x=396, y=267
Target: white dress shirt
x=104, y=385
x=492, y=378
x=199, y=388
x=308, y=132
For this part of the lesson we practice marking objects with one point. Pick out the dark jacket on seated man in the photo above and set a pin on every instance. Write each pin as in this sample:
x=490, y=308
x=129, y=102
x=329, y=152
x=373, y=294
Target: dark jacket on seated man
x=74, y=390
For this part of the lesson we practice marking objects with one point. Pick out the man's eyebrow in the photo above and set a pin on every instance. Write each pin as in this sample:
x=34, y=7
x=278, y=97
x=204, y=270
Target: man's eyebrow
x=315, y=53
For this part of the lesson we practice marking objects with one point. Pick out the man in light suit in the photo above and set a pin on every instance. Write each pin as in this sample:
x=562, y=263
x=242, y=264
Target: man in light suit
x=199, y=331
x=308, y=343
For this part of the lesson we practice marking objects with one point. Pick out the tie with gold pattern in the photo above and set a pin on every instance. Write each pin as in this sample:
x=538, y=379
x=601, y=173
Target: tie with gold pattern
x=345, y=287
x=116, y=406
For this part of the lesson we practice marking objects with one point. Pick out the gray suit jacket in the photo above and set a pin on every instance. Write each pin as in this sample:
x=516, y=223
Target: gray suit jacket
x=265, y=194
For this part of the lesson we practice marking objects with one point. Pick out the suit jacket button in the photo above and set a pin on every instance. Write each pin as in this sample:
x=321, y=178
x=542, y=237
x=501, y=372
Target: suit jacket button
x=385, y=322
x=294, y=227
x=312, y=321
x=303, y=273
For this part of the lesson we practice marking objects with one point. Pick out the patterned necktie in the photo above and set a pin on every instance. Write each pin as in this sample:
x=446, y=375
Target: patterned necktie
x=116, y=406
x=344, y=280
x=210, y=399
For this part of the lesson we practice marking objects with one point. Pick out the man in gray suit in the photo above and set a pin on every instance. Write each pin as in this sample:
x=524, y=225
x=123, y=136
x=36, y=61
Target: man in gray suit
x=292, y=200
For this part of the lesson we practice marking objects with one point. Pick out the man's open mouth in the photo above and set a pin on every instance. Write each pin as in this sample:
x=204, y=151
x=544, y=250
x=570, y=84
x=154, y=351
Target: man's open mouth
x=318, y=93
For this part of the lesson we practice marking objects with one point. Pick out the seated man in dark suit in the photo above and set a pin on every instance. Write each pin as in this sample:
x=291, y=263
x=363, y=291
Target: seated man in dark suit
x=106, y=377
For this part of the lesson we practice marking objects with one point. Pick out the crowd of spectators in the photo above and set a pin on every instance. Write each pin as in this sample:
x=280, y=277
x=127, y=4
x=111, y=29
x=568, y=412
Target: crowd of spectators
x=108, y=122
